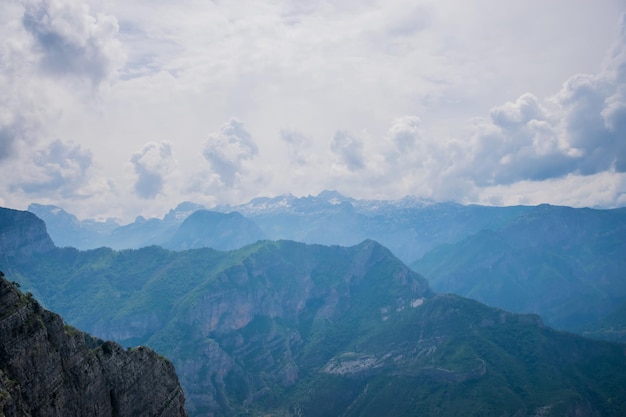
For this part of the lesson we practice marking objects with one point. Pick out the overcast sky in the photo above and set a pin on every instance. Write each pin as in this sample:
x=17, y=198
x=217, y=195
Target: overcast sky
x=119, y=108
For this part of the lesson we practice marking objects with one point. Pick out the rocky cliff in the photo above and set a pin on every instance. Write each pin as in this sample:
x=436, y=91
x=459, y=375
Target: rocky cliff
x=22, y=234
x=50, y=369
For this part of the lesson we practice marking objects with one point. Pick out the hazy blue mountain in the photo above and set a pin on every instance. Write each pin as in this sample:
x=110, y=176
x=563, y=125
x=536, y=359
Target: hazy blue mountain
x=212, y=229
x=409, y=227
x=145, y=232
x=66, y=230
x=565, y=264
x=611, y=327
x=22, y=234
x=285, y=328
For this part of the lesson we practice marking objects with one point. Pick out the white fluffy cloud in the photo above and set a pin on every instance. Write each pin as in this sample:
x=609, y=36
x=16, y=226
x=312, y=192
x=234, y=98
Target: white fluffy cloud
x=349, y=150
x=577, y=133
x=584, y=134
x=370, y=98
x=519, y=141
x=228, y=150
x=55, y=54
x=60, y=169
x=152, y=164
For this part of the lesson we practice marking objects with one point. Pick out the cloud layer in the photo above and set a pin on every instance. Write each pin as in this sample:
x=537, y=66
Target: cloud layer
x=127, y=102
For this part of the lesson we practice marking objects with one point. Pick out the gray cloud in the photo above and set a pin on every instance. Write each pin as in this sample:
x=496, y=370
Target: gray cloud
x=151, y=165
x=518, y=142
x=71, y=40
x=227, y=150
x=595, y=113
x=349, y=149
x=8, y=136
x=405, y=133
x=60, y=167
x=513, y=115
x=297, y=146
x=19, y=122
x=583, y=134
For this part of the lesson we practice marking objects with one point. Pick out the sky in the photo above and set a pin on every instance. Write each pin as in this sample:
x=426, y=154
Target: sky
x=111, y=108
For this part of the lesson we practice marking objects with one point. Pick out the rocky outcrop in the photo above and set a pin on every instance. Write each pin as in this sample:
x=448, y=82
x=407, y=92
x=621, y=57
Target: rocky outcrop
x=22, y=234
x=50, y=369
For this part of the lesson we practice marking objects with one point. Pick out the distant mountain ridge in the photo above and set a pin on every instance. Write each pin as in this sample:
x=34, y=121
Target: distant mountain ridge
x=409, y=227
x=286, y=328
x=529, y=275
x=563, y=263
x=212, y=229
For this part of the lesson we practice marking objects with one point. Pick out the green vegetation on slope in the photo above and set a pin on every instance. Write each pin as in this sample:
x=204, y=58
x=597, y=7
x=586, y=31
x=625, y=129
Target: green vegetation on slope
x=565, y=264
x=284, y=328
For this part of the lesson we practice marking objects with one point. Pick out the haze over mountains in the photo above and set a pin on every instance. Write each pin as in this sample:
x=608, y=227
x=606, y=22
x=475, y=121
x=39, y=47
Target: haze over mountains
x=563, y=263
x=409, y=227
x=287, y=328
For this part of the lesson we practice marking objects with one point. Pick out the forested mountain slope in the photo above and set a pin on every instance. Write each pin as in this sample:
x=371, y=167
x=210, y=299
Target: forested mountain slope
x=286, y=328
x=568, y=265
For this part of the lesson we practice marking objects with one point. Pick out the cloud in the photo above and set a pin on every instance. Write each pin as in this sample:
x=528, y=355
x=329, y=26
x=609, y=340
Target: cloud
x=595, y=112
x=349, y=149
x=60, y=168
x=18, y=114
x=228, y=149
x=72, y=41
x=62, y=38
x=152, y=163
x=298, y=146
x=9, y=134
x=581, y=130
x=404, y=138
x=520, y=141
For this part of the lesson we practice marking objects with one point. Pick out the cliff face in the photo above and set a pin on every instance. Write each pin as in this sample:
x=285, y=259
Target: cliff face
x=50, y=369
x=22, y=234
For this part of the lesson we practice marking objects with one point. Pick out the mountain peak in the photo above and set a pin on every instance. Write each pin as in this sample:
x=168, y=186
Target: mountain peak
x=217, y=230
x=182, y=211
x=332, y=195
x=22, y=233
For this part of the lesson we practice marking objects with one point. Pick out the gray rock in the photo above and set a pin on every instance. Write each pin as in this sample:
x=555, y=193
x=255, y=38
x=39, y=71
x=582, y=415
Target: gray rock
x=50, y=369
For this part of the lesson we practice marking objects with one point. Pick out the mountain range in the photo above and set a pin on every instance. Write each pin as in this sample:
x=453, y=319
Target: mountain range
x=408, y=227
x=283, y=328
x=563, y=263
x=560, y=262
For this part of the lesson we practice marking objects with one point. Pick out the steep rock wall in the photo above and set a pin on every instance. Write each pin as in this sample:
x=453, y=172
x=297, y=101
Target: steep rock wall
x=50, y=369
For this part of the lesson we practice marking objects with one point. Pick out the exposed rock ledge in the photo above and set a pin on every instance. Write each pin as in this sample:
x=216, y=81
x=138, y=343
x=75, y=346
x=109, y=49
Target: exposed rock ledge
x=355, y=364
x=50, y=369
